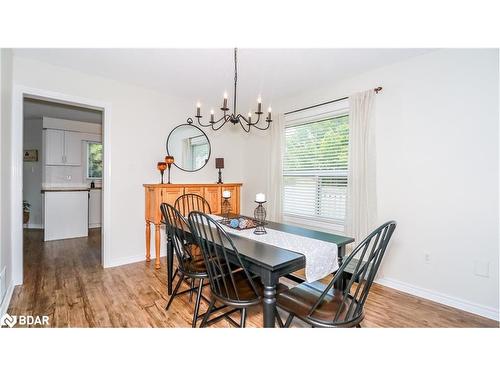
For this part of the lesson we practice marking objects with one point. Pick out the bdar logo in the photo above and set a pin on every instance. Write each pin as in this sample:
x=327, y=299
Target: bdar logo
x=8, y=320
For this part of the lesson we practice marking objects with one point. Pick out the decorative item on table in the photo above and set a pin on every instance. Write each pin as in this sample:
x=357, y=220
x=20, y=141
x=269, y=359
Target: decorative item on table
x=169, y=160
x=219, y=164
x=260, y=214
x=240, y=223
x=161, y=166
x=226, y=206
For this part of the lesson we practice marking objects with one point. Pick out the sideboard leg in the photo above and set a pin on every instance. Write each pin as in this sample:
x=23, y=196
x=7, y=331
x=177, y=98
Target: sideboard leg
x=157, y=246
x=148, y=241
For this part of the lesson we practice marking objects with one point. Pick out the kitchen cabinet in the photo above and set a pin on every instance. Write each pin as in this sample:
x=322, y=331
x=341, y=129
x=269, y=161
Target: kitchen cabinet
x=72, y=148
x=54, y=147
x=95, y=208
x=62, y=147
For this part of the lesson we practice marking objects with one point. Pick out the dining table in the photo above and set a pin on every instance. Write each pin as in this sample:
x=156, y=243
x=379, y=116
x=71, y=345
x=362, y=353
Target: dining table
x=270, y=262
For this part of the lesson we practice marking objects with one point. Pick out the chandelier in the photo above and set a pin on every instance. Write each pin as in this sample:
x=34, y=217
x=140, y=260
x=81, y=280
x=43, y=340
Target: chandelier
x=246, y=123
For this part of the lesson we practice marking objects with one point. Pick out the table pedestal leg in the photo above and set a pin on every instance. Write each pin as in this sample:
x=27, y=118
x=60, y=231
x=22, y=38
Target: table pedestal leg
x=157, y=246
x=148, y=241
x=340, y=283
x=269, y=305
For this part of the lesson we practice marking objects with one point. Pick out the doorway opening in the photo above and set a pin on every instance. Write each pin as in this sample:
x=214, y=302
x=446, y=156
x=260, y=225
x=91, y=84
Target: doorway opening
x=62, y=180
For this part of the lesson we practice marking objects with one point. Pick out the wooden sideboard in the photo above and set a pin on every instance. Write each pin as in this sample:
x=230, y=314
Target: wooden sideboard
x=156, y=194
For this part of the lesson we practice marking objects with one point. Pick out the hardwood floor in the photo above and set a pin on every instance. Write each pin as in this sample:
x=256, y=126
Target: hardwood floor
x=64, y=280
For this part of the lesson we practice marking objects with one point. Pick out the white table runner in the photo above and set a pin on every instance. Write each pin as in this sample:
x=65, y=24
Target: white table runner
x=321, y=256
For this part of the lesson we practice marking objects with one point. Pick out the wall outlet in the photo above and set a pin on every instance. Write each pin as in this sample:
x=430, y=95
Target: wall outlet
x=427, y=258
x=482, y=268
x=68, y=177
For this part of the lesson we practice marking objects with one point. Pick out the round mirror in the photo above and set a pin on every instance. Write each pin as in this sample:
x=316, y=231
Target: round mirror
x=189, y=146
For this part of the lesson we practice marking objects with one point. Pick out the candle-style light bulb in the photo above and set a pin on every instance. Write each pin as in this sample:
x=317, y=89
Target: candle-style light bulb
x=224, y=105
x=249, y=116
x=198, y=109
x=269, y=114
x=212, y=116
x=259, y=105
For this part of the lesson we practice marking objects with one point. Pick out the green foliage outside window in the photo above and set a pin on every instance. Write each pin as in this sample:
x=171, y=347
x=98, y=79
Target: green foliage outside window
x=94, y=160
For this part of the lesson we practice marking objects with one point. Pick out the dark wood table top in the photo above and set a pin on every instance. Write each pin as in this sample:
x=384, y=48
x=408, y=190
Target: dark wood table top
x=273, y=257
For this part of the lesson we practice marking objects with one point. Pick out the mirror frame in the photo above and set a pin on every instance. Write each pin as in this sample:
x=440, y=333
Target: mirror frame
x=190, y=123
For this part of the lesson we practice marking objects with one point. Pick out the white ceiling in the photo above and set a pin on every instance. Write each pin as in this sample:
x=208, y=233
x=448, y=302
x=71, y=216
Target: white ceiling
x=204, y=74
x=34, y=108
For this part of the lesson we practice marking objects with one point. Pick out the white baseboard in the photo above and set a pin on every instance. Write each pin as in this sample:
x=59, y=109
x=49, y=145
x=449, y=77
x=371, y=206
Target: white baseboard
x=6, y=301
x=132, y=259
x=33, y=226
x=458, y=303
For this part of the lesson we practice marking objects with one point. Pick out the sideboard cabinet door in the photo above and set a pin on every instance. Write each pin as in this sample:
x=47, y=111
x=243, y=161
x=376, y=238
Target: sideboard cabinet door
x=212, y=195
x=169, y=195
x=235, y=198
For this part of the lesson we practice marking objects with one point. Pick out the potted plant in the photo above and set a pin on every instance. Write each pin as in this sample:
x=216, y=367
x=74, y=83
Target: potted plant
x=26, y=212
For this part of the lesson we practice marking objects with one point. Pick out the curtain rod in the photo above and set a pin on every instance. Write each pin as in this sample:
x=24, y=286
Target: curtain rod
x=376, y=89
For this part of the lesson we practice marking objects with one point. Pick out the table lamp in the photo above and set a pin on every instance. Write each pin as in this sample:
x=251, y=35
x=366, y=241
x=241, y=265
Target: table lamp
x=219, y=164
x=169, y=160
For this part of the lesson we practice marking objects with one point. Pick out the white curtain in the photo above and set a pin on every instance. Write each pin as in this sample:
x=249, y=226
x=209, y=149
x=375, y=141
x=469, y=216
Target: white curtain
x=361, y=186
x=275, y=178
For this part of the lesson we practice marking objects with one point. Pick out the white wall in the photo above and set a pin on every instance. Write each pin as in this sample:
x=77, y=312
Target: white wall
x=5, y=168
x=437, y=171
x=32, y=171
x=141, y=120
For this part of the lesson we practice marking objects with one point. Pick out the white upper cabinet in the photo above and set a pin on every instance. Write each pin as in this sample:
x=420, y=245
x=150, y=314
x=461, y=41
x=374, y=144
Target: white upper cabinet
x=54, y=146
x=62, y=147
x=72, y=148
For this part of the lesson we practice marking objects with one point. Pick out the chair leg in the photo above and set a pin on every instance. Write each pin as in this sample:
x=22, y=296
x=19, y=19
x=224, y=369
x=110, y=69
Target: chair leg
x=197, y=304
x=278, y=318
x=243, y=318
x=289, y=320
x=191, y=292
x=181, y=278
x=358, y=325
x=207, y=314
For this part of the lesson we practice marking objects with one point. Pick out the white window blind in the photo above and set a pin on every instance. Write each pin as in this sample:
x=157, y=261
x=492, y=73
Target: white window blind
x=315, y=167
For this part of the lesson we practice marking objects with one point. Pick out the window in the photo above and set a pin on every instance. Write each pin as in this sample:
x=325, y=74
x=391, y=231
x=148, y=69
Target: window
x=94, y=160
x=199, y=151
x=315, y=169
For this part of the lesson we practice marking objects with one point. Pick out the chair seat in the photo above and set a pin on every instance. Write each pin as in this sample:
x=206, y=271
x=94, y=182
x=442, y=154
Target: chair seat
x=300, y=299
x=245, y=291
x=195, y=267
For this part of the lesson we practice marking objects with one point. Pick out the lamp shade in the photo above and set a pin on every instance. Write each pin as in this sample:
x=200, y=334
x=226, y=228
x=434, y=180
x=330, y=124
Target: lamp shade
x=219, y=162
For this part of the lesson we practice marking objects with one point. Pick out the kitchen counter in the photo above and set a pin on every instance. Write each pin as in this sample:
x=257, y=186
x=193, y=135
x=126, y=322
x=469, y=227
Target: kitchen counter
x=64, y=189
x=66, y=213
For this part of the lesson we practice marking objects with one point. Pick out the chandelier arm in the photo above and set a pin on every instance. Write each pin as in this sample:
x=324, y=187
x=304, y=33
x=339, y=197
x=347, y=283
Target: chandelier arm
x=243, y=126
x=212, y=124
x=259, y=128
x=221, y=125
x=250, y=122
